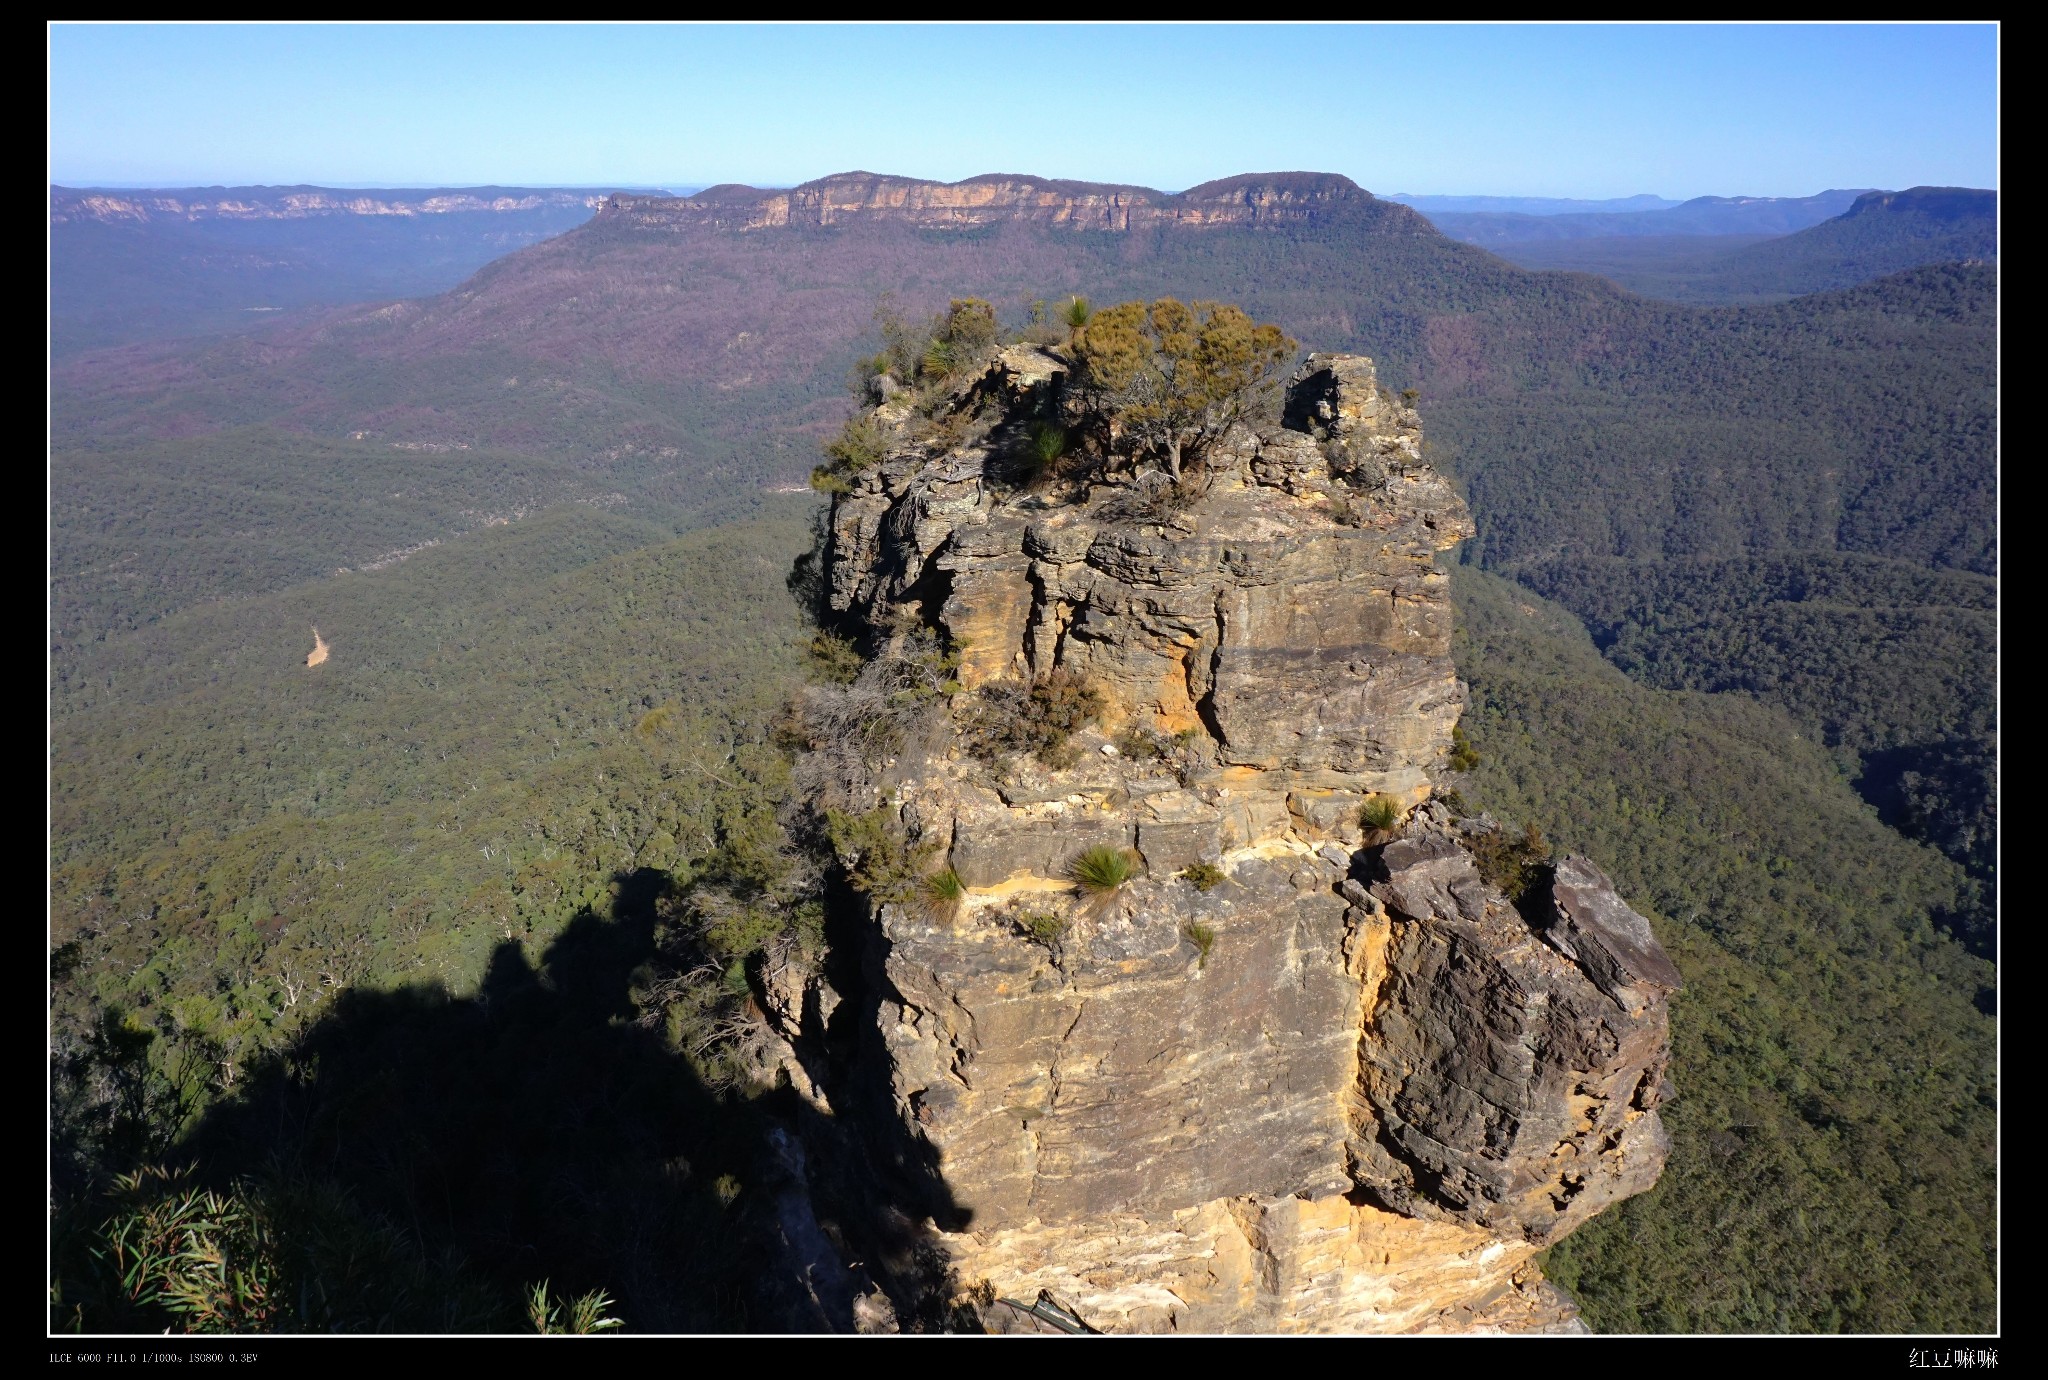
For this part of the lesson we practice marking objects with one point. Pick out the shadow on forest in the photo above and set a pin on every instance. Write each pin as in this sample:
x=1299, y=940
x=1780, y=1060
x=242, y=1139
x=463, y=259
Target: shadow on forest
x=543, y=1133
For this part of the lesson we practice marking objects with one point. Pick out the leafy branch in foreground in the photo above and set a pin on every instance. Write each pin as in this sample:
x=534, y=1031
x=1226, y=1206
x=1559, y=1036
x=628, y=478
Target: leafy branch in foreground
x=586, y=1315
x=278, y=1253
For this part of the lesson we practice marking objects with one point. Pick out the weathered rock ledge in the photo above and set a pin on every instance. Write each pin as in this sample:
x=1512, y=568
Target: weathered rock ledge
x=1348, y=1087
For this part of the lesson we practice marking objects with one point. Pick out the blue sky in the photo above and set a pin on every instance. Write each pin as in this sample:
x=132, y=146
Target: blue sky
x=1577, y=111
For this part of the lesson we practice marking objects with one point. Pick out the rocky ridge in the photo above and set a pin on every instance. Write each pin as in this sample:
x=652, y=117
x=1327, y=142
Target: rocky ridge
x=845, y=198
x=1296, y=1073
x=298, y=203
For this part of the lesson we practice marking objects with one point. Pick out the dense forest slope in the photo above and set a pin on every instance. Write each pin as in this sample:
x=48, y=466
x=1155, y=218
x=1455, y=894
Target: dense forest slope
x=307, y=917
x=1884, y=232
x=1890, y=666
x=475, y=754
x=1833, y=1163
x=141, y=530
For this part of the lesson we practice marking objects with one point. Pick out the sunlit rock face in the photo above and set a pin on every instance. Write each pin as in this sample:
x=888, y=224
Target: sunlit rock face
x=1344, y=1083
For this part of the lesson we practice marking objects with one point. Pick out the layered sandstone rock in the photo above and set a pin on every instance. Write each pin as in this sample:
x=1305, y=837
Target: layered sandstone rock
x=1347, y=1087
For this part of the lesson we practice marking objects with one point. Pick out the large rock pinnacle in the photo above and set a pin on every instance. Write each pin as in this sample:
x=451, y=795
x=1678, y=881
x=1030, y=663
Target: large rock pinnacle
x=1296, y=1072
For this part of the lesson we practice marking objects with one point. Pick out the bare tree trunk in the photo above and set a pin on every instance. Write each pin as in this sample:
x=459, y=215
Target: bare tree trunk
x=1173, y=458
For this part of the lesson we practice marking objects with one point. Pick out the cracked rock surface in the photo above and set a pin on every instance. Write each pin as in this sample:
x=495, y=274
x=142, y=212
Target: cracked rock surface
x=1347, y=1087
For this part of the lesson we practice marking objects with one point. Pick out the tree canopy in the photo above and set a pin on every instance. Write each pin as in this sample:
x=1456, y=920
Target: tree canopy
x=1172, y=378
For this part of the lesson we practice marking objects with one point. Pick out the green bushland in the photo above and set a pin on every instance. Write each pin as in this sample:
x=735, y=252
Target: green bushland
x=144, y=529
x=505, y=721
x=1891, y=666
x=411, y=1159
x=249, y=854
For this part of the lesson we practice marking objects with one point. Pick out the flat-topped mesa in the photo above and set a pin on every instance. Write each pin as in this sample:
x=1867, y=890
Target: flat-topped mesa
x=1284, y=1074
x=997, y=198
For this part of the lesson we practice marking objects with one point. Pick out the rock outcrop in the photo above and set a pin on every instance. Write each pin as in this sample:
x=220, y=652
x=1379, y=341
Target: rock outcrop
x=1294, y=1074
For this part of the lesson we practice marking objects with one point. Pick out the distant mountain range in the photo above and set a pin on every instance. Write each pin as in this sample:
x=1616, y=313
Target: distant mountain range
x=139, y=264
x=1703, y=215
x=132, y=264
x=1880, y=233
x=1531, y=205
x=70, y=205
x=691, y=350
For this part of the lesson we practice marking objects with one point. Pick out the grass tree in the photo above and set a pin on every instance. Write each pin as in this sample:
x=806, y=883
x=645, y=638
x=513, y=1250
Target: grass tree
x=1101, y=870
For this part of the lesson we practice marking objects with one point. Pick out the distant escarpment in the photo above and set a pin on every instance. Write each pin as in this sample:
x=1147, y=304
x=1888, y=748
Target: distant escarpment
x=141, y=206
x=1187, y=999
x=134, y=264
x=848, y=198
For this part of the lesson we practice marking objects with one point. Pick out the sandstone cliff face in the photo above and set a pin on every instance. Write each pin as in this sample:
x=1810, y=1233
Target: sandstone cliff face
x=1254, y=199
x=1349, y=1087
